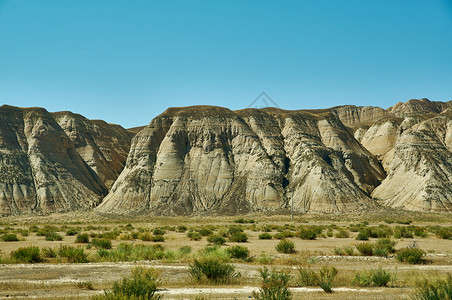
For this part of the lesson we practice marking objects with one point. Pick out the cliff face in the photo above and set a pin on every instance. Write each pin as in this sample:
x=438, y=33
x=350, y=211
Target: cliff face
x=104, y=147
x=203, y=159
x=40, y=169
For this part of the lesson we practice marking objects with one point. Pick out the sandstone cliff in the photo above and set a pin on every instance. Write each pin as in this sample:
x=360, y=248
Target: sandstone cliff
x=206, y=159
x=40, y=168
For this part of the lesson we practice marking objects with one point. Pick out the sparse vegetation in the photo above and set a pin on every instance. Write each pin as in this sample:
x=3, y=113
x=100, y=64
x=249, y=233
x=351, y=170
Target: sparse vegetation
x=212, y=269
x=275, y=286
x=285, y=246
x=410, y=255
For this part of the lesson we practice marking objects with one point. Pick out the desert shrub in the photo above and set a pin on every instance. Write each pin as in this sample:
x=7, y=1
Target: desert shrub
x=72, y=231
x=362, y=236
x=53, y=236
x=216, y=239
x=410, y=255
x=275, y=285
x=126, y=237
x=365, y=249
x=145, y=236
x=420, y=232
x=101, y=243
x=128, y=227
x=9, y=237
x=239, y=252
x=141, y=285
x=444, y=233
x=384, y=246
x=307, y=234
x=285, y=246
x=158, y=231
x=326, y=278
x=234, y=229
x=342, y=234
x=402, y=232
x=437, y=290
x=130, y=252
x=205, y=231
x=73, y=254
x=266, y=228
x=404, y=222
x=362, y=279
x=27, y=255
x=181, y=228
x=194, y=236
x=242, y=221
x=33, y=228
x=82, y=238
x=48, y=252
x=157, y=238
x=380, y=277
x=307, y=277
x=346, y=250
x=185, y=249
x=212, y=269
x=283, y=235
x=238, y=237
x=265, y=236
x=264, y=259
x=329, y=232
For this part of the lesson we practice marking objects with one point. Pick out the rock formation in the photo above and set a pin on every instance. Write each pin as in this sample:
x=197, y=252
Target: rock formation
x=40, y=168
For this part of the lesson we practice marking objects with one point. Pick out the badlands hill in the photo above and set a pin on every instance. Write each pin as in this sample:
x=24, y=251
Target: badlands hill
x=205, y=159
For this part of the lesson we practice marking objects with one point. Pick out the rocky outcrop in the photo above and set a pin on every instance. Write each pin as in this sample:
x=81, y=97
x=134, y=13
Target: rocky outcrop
x=418, y=106
x=104, y=147
x=40, y=168
x=210, y=159
x=420, y=173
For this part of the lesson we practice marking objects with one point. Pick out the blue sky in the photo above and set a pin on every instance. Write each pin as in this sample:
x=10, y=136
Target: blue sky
x=127, y=61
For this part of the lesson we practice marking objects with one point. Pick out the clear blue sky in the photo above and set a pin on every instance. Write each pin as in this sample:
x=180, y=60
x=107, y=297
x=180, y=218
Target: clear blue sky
x=127, y=61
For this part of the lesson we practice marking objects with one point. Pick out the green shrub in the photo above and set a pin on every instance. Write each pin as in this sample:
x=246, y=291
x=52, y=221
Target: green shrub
x=72, y=231
x=346, y=250
x=307, y=277
x=384, y=246
x=342, y=234
x=48, y=252
x=212, y=269
x=181, y=228
x=362, y=279
x=185, y=249
x=275, y=285
x=402, y=232
x=444, y=233
x=141, y=285
x=82, y=238
x=158, y=231
x=410, y=255
x=239, y=252
x=326, y=278
x=264, y=259
x=9, y=237
x=437, y=290
x=238, y=237
x=157, y=238
x=380, y=277
x=194, y=236
x=145, y=236
x=27, y=255
x=265, y=236
x=242, y=220
x=73, y=254
x=205, y=231
x=365, y=249
x=53, y=236
x=307, y=234
x=285, y=246
x=216, y=239
x=101, y=243
x=362, y=236
x=283, y=235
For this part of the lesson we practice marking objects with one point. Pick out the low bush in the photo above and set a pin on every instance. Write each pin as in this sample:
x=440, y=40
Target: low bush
x=410, y=255
x=101, y=243
x=275, y=285
x=82, y=238
x=283, y=235
x=157, y=238
x=158, y=231
x=362, y=279
x=402, y=232
x=141, y=285
x=341, y=234
x=194, y=236
x=48, y=252
x=205, y=231
x=9, y=237
x=181, y=228
x=437, y=290
x=326, y=278
x=265, y=236
x=380, y=277
x=27, y=255
x=53, y=236
x=365, y=249
x=307, y=234
x=307, y=277
x=216, y=239
x=73, y=254
x=185, y=249
x=213, y=270
x=264, y=259
x=238, y=237
x=346, y=250
x=285, y=246
x=242, y=220
x=362, y=236
x=239, y=252
x=72, y=231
